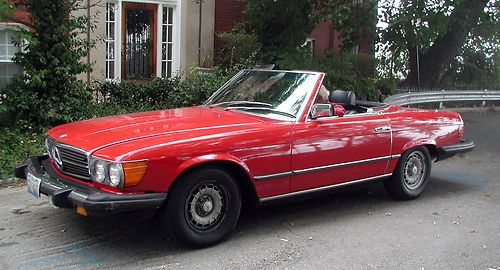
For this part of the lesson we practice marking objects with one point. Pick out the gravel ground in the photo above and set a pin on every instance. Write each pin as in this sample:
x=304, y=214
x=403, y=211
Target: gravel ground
x=455, y=224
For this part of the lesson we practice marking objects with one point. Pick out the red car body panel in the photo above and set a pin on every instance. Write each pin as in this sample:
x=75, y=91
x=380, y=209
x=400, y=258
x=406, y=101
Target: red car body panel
x=279, y=156
x=338, y=140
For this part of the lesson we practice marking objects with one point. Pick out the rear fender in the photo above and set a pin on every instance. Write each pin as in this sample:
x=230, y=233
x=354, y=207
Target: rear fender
x=419, y=142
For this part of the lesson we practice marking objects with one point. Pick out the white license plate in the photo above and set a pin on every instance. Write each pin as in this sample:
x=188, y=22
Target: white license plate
x=33, y=184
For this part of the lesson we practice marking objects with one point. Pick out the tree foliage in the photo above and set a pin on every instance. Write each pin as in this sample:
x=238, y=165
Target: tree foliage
x=236, y=47
x=49, y=92
x=6, y=9
x=280, y=25
x=283, y=25
x=423, y=37
x=473, y=69
x=355, y=20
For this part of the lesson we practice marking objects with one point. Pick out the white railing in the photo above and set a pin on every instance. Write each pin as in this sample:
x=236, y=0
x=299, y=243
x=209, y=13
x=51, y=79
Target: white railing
x=442, y=96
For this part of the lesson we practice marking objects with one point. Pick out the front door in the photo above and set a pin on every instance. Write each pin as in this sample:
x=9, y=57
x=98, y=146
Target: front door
x=333, y=150
x=139, y=41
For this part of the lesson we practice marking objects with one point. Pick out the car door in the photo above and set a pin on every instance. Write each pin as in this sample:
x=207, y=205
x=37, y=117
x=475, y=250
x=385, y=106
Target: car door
x=333, y=150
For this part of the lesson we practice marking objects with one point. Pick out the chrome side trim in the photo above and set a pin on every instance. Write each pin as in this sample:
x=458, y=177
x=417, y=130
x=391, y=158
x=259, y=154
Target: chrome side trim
x=274, y=175
x=302, y=192
x=320, y=168
x=326, y=167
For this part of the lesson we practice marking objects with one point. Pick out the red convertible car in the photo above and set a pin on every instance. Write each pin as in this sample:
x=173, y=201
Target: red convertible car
x=263, y=136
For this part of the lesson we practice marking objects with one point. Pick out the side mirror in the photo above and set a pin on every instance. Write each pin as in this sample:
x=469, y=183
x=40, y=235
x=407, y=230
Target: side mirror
x=321, y=110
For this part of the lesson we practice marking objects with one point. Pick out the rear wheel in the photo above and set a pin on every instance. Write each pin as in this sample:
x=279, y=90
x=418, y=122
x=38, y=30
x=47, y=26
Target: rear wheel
x=412, y=173
x=203, y=207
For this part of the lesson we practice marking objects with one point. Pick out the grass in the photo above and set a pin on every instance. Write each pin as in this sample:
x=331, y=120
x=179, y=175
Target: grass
x=15, y=147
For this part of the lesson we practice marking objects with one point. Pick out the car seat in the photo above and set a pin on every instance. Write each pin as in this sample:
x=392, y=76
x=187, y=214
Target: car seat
x=345, y=98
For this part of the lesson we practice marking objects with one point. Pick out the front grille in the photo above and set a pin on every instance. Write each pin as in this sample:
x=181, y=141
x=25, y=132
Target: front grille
x=74, y=162
x=69, y=160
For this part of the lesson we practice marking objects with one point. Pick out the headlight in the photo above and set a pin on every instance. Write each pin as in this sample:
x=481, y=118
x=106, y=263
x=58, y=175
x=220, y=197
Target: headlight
x=99, y=173
x=115, y=174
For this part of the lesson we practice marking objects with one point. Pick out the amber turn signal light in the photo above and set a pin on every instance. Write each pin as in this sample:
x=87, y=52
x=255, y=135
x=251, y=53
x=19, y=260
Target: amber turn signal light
x=133, y=172
x=80, y=210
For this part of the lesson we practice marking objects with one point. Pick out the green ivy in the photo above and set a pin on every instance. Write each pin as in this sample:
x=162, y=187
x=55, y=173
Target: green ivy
x=48, y=92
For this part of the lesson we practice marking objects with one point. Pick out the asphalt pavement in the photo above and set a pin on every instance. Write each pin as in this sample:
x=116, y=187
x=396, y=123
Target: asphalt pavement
x=455, y=224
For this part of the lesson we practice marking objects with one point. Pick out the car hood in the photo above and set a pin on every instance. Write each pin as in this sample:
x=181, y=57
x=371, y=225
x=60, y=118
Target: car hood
x=93, y=134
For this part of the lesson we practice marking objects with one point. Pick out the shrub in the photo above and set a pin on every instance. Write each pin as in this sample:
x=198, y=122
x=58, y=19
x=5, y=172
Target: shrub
x=48, y=92
x=298, y=59
x=387, y=86
x=235, y=48
x=344, y=71
x=16, y=146
x=22, y=105
x=117, y=98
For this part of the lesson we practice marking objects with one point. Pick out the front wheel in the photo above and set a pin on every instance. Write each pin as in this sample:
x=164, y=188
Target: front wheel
x=203, y=207
x=412, y=173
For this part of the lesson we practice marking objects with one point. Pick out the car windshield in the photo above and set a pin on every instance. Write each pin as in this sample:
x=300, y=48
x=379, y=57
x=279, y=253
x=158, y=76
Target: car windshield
x=265, y=92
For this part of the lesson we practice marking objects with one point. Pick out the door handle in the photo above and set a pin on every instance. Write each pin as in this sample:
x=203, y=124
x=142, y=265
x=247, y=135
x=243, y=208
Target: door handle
x=383, y=129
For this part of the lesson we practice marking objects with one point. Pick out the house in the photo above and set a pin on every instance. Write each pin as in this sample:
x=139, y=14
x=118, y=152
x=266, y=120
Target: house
x=143, y=39
x=136, y=39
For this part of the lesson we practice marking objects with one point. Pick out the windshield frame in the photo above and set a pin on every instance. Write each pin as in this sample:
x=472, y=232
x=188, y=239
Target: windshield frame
x=310, y=92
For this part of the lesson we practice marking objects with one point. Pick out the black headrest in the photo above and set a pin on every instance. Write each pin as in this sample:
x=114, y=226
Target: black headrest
x=343, y=97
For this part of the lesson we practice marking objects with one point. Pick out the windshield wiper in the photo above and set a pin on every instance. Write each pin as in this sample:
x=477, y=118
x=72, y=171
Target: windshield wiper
x=244, y=108
x=229, y=104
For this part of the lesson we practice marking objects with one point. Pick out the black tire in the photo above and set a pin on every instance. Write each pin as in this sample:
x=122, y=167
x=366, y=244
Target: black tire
x=405, y=184
x=190, y=213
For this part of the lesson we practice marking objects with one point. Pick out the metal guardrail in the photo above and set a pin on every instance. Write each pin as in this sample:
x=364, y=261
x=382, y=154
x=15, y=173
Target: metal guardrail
x=440, y=97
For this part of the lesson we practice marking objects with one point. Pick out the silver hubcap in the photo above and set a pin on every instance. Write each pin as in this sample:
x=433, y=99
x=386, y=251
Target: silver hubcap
x=205, y=207
x=414, y=170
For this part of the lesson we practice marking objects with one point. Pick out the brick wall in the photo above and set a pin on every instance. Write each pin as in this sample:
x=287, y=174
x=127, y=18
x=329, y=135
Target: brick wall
x=20, y=16
x=325, y=38
x=227, y=13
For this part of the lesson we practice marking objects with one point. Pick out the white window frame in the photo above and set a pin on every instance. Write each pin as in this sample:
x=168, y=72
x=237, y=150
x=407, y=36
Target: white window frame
x=164, y=62
x=116, y=56
x=355, y=49
x=12, y=26
x=310, y=43
x=176, y=31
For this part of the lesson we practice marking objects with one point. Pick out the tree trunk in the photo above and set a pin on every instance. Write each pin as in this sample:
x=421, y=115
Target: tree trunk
x=434, y=61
